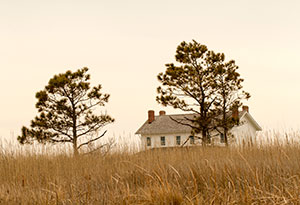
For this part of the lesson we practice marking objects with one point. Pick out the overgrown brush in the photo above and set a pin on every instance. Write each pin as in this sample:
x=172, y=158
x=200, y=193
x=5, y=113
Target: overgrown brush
x=211, y=175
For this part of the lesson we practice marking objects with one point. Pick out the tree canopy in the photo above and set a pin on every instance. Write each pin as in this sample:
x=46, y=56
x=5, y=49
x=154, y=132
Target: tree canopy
x=195, y=85
x=67, y=109
x=229, y=94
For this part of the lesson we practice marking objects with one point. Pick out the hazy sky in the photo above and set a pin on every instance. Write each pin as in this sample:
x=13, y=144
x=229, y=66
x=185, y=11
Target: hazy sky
x=126, y=44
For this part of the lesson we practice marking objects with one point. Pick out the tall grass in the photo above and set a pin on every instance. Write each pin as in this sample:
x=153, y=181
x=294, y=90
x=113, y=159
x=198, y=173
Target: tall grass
x=213, y=175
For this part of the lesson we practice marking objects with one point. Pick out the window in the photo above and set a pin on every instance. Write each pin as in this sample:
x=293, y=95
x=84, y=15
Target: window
x=192, y=140
x=148, y=141
x=178, y=139
x=222, y=138
x=162, y=141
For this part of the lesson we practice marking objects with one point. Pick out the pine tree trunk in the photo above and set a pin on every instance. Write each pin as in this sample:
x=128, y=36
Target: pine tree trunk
x=75, y=148
x=204, y=138
x=225, y=137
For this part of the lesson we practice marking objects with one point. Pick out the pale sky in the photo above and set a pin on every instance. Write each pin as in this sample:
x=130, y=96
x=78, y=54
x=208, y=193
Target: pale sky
x=127, y=43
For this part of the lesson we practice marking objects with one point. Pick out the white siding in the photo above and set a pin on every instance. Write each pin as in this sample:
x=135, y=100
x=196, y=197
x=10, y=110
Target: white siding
x=170, y=140
x=245, y=132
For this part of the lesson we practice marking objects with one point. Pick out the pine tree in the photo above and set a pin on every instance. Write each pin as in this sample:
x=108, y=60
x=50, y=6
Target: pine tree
x=66, y=112
x=204, y=84
x=228, y=86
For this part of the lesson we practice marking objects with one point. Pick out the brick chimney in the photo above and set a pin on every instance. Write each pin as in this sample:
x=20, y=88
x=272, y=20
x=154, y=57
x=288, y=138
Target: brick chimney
x=162, y=112
x=235, y=113
x=245, y=108
x=150, y=116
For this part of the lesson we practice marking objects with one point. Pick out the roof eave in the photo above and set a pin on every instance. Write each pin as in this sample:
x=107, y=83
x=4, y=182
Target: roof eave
x=163, y=133
x=256, y=125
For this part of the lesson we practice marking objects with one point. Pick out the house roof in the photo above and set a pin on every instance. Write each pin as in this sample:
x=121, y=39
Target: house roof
x=254, y=123
x=163, y=124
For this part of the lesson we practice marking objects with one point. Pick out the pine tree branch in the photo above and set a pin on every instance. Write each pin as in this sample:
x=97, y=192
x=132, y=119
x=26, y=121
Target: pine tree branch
x=64, y=140
x=88, y=142
x=186, y=124
x=94, y=127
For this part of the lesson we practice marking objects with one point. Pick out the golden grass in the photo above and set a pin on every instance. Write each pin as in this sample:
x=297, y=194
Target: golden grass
x=251, y=175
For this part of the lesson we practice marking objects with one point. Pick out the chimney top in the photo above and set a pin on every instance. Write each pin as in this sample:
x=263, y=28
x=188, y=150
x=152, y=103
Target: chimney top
x=245, y=108
x=150, y=116
x=162, y=112
x=235, y=113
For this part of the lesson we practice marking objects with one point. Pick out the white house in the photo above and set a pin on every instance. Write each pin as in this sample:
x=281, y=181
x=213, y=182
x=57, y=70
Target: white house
x=164, y=131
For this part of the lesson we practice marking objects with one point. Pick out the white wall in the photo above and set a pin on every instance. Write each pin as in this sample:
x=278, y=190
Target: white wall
x=245, y=132
x=170, y=140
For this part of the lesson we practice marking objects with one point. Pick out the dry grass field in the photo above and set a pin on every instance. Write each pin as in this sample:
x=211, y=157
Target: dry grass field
x=212, y=175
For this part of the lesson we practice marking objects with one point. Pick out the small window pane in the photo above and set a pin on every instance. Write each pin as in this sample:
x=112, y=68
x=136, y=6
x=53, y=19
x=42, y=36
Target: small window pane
x=192, y=140
x=178, y=140
x=222, y=138
x=148, y=141
x=163, y=141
